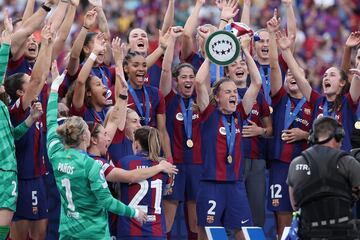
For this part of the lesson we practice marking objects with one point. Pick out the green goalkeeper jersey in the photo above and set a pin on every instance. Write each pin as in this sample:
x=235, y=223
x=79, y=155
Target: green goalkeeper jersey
x=85, y=197
x=7, y=132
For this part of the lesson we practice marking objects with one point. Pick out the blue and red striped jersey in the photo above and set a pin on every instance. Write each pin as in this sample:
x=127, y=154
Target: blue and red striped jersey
x=89, y=114
x=146, y=195
x=157, y=103
x=22, y=65
x=154, y=73
x=283, y=151
x=175, y=127
x=104, y=72
x=345, y=114
x=31, y=148
x=214, y=145
x=120, y=147
x=254, y=147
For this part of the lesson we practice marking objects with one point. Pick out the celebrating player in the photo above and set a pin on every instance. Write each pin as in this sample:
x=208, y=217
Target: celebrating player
x=146, y=194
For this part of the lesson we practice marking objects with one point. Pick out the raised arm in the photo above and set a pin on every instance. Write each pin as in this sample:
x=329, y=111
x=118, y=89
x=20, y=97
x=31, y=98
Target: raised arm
x=79, y=89
x=245, y=15
x=284, y=43
x=29, y=10
x=273, y=26
x=187, y=46
x=57, y=17
x=352, y=41
x=64, y=30
x=229, y=10
x=29, y=26
x=117, y=114
x=355, y=84
x=255, y=84
x=104, y=28
x=53, y=141
x=74, y=61
x=136, y=175
x=169, y=17
x=5, y=46
x=291, y=21
x=41, y=67
x=166, y=73
x=202, y=92
x=158, y=52
x=164, y=136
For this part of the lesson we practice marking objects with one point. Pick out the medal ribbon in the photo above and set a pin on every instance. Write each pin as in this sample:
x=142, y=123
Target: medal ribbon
x=187, y=115
x=104, y=80
x=266, y=82
x=138, y=104
x=230, y=135
x=97, y=117
x=290, y=116
x=326, y=110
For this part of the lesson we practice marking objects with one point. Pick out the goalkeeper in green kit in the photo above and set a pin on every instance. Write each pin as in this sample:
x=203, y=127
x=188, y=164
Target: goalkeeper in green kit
x=85, y=197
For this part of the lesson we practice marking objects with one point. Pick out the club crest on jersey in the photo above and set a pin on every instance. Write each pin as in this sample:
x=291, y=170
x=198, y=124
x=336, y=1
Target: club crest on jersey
x=35, y=210
x=210, y=219
x=275, y=202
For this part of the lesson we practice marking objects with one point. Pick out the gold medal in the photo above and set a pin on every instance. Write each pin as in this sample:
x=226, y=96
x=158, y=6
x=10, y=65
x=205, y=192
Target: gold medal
x=271, y=109
x=357, y=125
x=189, y=143
x=229, y=159
x=283, y=136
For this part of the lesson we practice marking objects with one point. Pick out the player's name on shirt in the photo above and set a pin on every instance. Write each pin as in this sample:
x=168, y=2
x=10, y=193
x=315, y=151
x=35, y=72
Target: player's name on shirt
x=65, y=168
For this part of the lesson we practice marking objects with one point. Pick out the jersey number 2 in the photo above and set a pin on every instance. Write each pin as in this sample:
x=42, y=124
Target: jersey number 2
x=144, y=187
x=66, y=183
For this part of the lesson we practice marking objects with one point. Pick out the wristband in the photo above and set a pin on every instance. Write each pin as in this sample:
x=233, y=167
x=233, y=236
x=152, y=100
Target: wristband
x=136, y=213
x=93, y=56
x=123, y=97
x=223, y=19
x=46, y=8
x=85, y=27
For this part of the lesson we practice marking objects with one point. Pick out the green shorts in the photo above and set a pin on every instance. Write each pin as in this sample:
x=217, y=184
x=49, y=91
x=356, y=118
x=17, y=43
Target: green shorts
x=8, y=183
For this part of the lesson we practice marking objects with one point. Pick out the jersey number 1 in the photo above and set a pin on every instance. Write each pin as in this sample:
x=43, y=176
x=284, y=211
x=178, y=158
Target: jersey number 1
x=144, y=187
x=66, y=183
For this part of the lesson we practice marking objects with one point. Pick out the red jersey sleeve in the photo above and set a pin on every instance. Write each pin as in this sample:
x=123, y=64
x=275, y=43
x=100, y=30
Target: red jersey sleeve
x=278, y=96
x=161, y=109
x=17, y=111
x=314, y=97
x=77, y=112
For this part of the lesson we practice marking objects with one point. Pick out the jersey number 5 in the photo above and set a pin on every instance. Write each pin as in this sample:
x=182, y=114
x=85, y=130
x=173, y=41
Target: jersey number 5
x=144, y=187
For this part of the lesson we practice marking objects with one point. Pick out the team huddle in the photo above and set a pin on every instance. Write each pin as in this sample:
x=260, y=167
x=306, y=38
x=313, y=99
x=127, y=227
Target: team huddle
x=125, y=135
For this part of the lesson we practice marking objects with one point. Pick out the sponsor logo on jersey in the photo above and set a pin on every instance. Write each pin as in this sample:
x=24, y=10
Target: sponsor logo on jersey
x=179, y=116
x=222, y=131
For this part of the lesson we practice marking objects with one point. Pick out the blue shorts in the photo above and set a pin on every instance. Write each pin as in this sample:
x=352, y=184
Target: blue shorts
x=32, y=200
x=223, y=204
x=278, y=195
x=186, y=183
